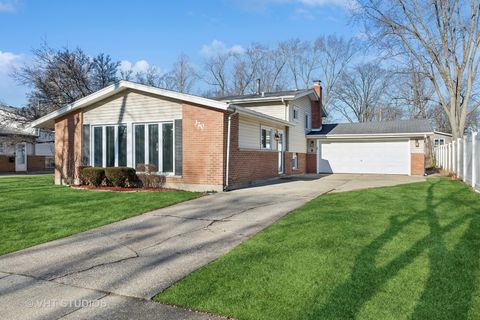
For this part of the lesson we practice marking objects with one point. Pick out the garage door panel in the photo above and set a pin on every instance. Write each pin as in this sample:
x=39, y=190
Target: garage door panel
x=391, y=157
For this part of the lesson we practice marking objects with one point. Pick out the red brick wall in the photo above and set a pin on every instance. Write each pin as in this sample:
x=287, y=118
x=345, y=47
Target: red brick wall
x=417, y=164
x=302, y=163
x=68, y=147
x=36, y=163
x=317, y=110
x=249, y=165
x=203, y=146
x=316, y=115
x=6, y=165
x=311, y=163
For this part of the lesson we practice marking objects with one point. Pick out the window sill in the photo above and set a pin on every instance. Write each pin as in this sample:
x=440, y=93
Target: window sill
x=262, y=150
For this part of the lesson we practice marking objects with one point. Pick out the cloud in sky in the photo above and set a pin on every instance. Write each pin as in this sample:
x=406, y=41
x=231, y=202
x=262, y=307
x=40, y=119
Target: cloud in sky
x=11, y=93
x=219, y=47
x=346, y=4
x=260, y=5
x=8, y=60
x=8, y=5
x=139, y=66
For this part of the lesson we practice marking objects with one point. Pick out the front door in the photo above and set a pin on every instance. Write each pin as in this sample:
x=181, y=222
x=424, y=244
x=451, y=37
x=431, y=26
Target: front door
x=281, y=152
x=21, y=157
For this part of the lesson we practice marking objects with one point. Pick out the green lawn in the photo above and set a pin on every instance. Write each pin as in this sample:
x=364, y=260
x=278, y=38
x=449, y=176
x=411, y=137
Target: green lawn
x=406, y=252
x=34, y=210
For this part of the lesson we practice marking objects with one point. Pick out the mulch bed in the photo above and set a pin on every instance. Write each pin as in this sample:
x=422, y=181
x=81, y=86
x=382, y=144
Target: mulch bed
x=120, y=189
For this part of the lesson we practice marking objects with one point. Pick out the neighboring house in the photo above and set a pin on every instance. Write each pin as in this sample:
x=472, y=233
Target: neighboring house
x=206, y=144
x=23, y=149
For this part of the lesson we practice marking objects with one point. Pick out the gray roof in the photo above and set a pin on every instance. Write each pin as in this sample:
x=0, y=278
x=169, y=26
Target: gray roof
x=277, y=94
x=383, y=127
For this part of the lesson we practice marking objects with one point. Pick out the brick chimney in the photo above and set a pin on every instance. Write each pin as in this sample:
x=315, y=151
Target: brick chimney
x=317, y=106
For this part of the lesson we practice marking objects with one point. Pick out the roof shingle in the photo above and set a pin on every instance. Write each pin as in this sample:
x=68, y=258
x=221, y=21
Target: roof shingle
x=381, y=127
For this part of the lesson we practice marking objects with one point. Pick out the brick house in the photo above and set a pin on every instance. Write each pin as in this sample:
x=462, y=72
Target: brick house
x=195, y=142
x=23, y=149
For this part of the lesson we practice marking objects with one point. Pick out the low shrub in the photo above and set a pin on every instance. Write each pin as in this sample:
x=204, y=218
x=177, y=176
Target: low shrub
x=149, y=177
x=81, y=178
x=151, y=180
x=121, y=176
x=93, y=176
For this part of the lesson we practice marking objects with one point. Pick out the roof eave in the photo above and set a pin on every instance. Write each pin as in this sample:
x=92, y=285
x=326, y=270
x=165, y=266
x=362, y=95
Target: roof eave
x=259, y=115
x=370, y=135
x=47, y=121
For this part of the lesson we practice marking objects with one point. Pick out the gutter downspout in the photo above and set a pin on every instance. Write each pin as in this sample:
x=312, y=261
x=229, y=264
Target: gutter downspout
x=229, y=129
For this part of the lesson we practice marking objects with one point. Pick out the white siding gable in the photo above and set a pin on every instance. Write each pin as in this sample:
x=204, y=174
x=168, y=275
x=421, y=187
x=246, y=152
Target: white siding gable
x=130, y=106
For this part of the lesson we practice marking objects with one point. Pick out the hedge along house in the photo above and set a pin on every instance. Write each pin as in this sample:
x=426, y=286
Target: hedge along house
x=197, y=143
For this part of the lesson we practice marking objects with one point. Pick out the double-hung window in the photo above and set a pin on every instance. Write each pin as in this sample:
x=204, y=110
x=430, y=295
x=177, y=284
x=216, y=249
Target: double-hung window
x=3, y=148
x=109, y=145
x=266, y=138
x=307, y=122
x=296, y=113
x=153, y=145
x=439, y=142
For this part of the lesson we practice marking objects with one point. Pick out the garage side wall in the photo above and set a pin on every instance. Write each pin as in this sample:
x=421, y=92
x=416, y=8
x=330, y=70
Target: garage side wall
x=417, y=156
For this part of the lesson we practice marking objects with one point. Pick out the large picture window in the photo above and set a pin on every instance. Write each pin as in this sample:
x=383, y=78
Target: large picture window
x=154, y=145
x=109, y=145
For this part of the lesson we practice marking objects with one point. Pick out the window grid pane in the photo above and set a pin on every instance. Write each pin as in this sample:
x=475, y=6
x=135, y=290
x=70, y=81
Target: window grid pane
x=153, y=145
x=97, y=146
x=110, y=142
x=139, y=145
x=167, y=147
x=122, y=146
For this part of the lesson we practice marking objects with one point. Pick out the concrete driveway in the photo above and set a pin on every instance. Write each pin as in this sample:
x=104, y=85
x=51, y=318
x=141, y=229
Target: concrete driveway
x=112, y=272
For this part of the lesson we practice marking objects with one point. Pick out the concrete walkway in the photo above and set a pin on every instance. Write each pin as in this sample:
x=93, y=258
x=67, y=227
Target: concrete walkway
x=111, y=272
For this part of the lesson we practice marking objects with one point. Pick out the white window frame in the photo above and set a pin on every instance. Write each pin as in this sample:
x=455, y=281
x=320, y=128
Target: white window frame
x=439, y=142
x=267, y=129
x=308, y=121
x=295, y=161
x=295, y=113
x=160, y=145
x=104, y=142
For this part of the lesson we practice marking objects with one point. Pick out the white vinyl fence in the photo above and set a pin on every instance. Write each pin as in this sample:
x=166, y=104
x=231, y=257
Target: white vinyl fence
x=462, y=158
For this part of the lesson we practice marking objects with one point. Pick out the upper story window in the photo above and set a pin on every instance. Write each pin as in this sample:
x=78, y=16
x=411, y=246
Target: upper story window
x=307, y=122
x=266, y=138
x=296, y=113
x=439, y=142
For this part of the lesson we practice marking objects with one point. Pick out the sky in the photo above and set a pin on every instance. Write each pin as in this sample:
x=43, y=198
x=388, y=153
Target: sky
x=142, y=33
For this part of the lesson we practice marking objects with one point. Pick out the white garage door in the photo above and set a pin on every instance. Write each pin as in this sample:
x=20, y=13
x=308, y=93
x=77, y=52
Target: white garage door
x=387, y=157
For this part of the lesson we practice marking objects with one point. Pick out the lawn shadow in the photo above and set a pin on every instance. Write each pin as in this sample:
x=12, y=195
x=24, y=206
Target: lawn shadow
x=450, y=286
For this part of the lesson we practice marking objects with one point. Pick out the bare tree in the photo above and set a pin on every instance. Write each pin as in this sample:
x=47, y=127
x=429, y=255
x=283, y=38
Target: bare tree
x=302, y=59
x=245, y=69
x=150, y=77
x=183, y=76
x=104, y=71
x=271, y=71
x=60, y=77
x=361, y=93
x=217, y=73
x=336, y=55
x=443, y=37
